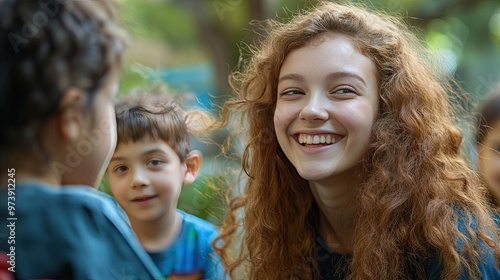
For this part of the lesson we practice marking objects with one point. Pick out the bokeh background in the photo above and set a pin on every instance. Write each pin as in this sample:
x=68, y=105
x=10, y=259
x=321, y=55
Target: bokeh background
x=192, y=46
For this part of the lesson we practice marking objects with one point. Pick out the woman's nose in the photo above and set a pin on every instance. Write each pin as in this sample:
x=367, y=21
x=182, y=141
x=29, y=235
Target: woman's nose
x=315, y=108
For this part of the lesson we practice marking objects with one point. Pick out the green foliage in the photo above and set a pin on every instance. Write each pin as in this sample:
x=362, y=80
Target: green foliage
x=130, y=79
x=205, y=198
x=160, y=20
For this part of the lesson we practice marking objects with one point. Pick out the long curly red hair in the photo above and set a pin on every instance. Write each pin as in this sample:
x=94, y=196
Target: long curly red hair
x=419, y=185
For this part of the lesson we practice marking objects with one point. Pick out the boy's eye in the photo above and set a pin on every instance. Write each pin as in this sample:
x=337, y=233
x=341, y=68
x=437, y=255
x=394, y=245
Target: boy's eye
x=155, y=162
x=120, y=169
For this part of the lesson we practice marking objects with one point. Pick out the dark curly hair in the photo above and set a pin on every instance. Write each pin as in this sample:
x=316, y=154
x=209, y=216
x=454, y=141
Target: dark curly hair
x=47, y=47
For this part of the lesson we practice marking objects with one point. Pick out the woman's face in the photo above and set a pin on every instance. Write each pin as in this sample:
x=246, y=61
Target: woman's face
x=489, y=159
x=327, y=102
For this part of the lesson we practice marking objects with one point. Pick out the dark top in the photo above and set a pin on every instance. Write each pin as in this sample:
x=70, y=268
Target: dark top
x=334, y=266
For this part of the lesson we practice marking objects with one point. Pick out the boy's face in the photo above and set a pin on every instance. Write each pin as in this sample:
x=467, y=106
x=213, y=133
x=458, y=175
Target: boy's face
x=146, y=178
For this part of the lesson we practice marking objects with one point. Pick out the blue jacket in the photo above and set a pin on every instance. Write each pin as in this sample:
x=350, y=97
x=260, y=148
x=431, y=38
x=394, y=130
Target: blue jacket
x=73, y=232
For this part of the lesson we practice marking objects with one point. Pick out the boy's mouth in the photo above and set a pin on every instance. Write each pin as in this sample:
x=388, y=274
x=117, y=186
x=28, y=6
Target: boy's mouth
x=144, y=198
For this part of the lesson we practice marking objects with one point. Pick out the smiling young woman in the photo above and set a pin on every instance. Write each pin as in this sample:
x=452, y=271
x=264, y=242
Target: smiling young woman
x=362, y=177
x=321, y=94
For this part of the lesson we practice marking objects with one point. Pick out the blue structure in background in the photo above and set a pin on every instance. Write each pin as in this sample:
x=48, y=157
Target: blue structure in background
x=197, y=80
x=198, y=83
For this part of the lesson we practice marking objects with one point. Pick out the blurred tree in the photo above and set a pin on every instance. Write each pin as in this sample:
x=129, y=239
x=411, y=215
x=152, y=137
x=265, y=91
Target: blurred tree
x=464, y=34
x=196, y=30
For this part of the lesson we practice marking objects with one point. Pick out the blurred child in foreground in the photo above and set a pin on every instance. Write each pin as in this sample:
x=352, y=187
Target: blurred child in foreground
x=59, y=66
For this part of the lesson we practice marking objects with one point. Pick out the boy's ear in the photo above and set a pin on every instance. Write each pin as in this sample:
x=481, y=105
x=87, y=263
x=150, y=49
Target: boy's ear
x=193, y=163
x=69, y=117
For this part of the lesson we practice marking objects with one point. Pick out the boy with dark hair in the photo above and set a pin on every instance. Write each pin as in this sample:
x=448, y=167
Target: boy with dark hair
x=151, y=163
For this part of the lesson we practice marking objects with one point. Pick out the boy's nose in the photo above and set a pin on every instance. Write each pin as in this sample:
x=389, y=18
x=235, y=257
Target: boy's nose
x=140, y=179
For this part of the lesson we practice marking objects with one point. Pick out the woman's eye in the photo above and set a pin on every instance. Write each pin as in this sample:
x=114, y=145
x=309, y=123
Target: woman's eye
x=291, y=92
x=344, y=91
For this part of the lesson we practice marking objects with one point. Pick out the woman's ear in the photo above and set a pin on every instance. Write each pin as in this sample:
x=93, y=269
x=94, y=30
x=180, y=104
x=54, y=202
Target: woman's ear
x=70, y=116
x=193, y=163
